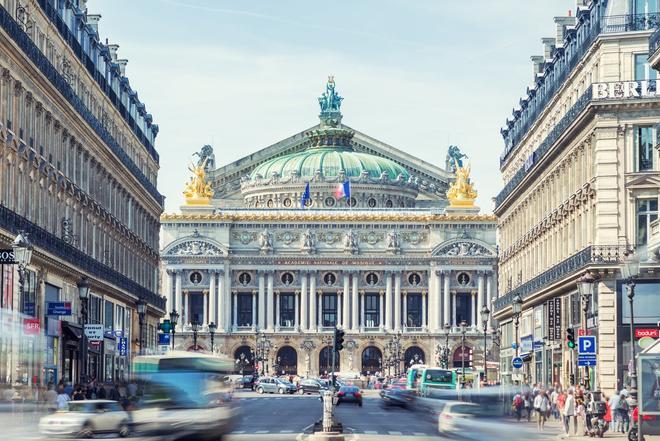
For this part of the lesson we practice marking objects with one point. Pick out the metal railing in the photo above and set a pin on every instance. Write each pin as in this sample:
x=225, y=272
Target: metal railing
x=654, y=42
x=590, y=26
x=593, y=254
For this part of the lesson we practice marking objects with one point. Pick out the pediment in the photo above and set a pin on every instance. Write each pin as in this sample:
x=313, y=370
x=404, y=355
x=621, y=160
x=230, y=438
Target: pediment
x=463, y=248
x=643, y=180
x=194, y=246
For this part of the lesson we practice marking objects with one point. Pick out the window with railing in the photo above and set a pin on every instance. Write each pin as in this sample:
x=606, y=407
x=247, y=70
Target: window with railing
x=329, y=310
x=644, y=142
x=244, y=309
x=287, y=310
x=372, y=310
x=414, y=310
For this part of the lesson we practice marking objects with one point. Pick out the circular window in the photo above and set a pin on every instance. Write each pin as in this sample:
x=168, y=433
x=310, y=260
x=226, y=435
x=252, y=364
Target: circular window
x=195, y=277
x=270, y=203
x=287, y=279
x=372, y=279
x=244, y=279
x=389, y=203
x=330, y=201
x=308, y=203
x=287, y=202
x=352, y=202
x=371, y=202
x=414, y=279
x=463, y=278
x=329, y=279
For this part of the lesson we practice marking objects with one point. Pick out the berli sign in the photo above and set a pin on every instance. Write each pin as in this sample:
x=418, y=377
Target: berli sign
x=624, y=90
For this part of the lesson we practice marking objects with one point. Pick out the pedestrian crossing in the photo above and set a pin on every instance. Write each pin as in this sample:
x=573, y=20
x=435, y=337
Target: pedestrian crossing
x=354, y=431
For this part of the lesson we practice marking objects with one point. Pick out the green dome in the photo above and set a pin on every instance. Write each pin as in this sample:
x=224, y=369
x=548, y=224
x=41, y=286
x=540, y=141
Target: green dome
x=330, y=161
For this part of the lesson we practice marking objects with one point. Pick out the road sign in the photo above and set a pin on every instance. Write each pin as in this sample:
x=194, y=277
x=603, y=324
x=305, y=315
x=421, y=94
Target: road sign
x=587, y=362
x=164, y=339
x=587, y=344
x=94, y=332
x=122, y=346
x=58, y=308
x=517, y=362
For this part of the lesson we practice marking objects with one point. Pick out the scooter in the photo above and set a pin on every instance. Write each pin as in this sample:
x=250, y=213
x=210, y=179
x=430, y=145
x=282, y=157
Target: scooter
x=598, y=426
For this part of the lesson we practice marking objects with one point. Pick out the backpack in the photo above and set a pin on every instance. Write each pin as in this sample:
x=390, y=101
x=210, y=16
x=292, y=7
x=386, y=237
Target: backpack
x=517, y=401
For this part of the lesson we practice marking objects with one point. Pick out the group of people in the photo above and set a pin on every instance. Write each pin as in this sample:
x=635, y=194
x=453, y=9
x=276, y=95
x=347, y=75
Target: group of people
x=574, y=407
x=58, y=396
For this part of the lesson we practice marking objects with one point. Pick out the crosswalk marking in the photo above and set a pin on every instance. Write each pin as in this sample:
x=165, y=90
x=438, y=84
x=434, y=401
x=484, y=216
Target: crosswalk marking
x=286, y=431
x=238, y=432
x=261, y=431
x=371, y=432
x=392, y=432
x=419, y=434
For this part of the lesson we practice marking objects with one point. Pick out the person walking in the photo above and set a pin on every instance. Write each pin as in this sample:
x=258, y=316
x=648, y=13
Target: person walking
x=569, y=413
x=517, y=406
x=62, y=399
x=528, y=405
x=51, y=398
x=541, y=404
x=622, y=408
x=614, y=403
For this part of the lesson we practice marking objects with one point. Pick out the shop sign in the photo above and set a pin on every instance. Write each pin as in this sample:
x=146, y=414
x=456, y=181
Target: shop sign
x=122, y=346
x=623, y=90
x=526, y=344
x=554, y=319
x=29, y=309
x=32, y=326
x=7, y=257
x=646, y=332
x=94, y=332
x=58, y=308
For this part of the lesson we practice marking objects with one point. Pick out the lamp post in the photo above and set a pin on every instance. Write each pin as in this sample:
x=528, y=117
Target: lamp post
x=516, y=307
x=463, y=327
x=22, y=248
x=485, y=315
x=585, y=288
x=212, y=328
x=174, y=319
x=447, y=330
x=195, y=329
x=142, y=311
x=242, y=361
x=630, y=271
x=83, y=294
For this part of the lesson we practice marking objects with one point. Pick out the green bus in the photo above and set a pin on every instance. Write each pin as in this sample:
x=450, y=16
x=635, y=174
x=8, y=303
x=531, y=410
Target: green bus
x=427, y=380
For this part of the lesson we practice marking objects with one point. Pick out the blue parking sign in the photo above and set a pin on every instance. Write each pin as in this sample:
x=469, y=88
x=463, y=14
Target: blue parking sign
x=587, y=344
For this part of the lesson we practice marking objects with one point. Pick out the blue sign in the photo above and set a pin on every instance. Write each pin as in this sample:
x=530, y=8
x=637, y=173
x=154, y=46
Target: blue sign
x=122, y=346
x=586, y=362
x=29, y=309
x=587, y=344
x=517, y=362
x=538, y=345
x=58, y=308
x=526, y=344
x=118, y=333
x=164, y=339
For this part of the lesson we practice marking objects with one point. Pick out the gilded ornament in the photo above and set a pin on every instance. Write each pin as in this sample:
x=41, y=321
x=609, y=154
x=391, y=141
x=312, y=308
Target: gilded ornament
x=198, y=191
x=461, y=192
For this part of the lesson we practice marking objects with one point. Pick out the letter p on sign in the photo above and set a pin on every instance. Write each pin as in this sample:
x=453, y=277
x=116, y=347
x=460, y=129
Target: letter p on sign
x=587, y=344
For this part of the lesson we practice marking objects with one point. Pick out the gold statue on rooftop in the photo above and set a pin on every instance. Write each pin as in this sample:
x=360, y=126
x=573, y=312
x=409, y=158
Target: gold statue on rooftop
x=198, y=191
x=461, y=192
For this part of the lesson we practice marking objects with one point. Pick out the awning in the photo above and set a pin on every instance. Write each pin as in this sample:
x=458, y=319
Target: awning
x=71, y=331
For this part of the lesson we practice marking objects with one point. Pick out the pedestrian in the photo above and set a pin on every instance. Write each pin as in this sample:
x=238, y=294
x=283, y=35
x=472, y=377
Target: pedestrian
x=100, y=392
x=528, y=405
x=541, y=404
x=62, y=399
x=77, y=394
x=114, y=393
x=613, y=403
x=51, y=398
x=622, y=408
x=554, y=396
x=517, y=406
x=569, y=413
x=580, y=416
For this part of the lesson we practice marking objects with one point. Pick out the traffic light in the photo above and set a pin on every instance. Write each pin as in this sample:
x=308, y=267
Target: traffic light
x=166, y=326
x=572, y=379
x=570, y=338
x=339, y=339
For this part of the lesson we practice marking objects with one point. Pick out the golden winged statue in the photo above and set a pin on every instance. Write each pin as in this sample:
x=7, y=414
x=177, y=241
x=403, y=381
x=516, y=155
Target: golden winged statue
x=198, y=191
x=461, y=192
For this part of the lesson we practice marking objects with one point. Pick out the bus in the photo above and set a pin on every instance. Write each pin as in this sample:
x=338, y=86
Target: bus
x=472, y=378
x=429, y=380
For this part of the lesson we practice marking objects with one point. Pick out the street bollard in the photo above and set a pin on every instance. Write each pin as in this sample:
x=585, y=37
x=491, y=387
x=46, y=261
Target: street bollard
x=327, y=411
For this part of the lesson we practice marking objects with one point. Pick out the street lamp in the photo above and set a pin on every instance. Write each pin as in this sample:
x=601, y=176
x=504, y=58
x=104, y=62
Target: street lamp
x=485, y=315
x=142, y=311
x=447, y=329
x=630, y=271
x=195, y=329
x=212, y=328
x=83, y=294
x=174, y=319
x=241, y=361
x=585, y=286
x=463, y=326
x=516, y=307
x=22, y=255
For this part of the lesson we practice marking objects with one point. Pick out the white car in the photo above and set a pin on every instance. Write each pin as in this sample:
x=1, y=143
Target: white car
x=84, y=419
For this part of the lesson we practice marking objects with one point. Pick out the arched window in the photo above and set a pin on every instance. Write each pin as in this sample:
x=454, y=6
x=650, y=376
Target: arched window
x=244, y=359
x=325, y=360
x=462, y=357
x=414, y=355
x=286, y=362
x=372, y=360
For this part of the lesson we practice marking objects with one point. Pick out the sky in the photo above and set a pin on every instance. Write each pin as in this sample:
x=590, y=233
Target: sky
x=419, y=75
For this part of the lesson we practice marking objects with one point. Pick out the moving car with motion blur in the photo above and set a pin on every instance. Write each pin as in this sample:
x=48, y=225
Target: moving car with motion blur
x=397, y=396
x=349, y=394
x=84, y=419
x=311, y=386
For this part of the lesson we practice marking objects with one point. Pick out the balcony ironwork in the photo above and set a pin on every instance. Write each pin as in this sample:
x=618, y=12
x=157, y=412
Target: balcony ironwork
x=593, y=254
x=576, y=44
x=41, y=238
x=654, y=42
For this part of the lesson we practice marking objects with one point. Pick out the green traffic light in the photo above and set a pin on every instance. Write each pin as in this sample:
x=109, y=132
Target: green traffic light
x=571, y=344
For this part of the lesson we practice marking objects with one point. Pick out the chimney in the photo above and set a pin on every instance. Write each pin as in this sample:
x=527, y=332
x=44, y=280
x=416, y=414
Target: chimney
x=113, y=48
x=122, y=66
x=93, y=21
x=548, y=47
x=537, y=62
x=562, y=23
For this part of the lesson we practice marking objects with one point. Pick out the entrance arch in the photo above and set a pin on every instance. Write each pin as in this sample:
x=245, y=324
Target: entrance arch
x=286, y=361
x=372, y=360
x=414, y=355
x=462, y=354
x=244, y=360
x=325, y=361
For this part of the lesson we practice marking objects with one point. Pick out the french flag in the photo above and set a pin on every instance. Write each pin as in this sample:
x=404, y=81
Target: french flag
x=343, y=190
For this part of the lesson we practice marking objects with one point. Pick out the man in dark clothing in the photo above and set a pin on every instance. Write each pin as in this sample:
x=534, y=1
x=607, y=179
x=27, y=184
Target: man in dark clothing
x=114, y=394
x=100, y=392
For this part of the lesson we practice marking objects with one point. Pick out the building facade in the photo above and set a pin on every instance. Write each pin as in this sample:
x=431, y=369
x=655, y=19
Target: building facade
x=78, y=175
x=329, y=228
x=580, y=168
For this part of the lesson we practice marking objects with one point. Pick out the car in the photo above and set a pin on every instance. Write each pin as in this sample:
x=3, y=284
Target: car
x=275, y=385
x=311, y=386
x=349, y=394
x=479, y=422
x=246, y=382
x=86, y=418
x=397, y=396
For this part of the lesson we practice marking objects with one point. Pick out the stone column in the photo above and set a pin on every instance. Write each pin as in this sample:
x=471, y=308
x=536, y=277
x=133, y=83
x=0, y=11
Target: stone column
x=434, y=301
x=405, y=309
x=313, y=308
x=186, y=311
x=213, y=310
x=474, y=309
x=381, y=305
x=388, y=300
x=354, y=295
x=424, y=321
x=262, y=299
x=446, y=308
x=222, y=308
x=296, y=323
x=277, y=310
x=205, y=308
x=179, y=297
x=480, y=292
x=234, y=319
x=362, y=322
x=339, y=309
x=397, y=301
x=254, y=308
x=453, y=309
x=304, y=308
x=171, y=300
x=489, y=297
x=346, y=299
x=319, y=320
x=269, y=302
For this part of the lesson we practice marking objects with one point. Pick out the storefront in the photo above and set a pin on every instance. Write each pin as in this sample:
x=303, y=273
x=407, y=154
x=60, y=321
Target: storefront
x=71, y=336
